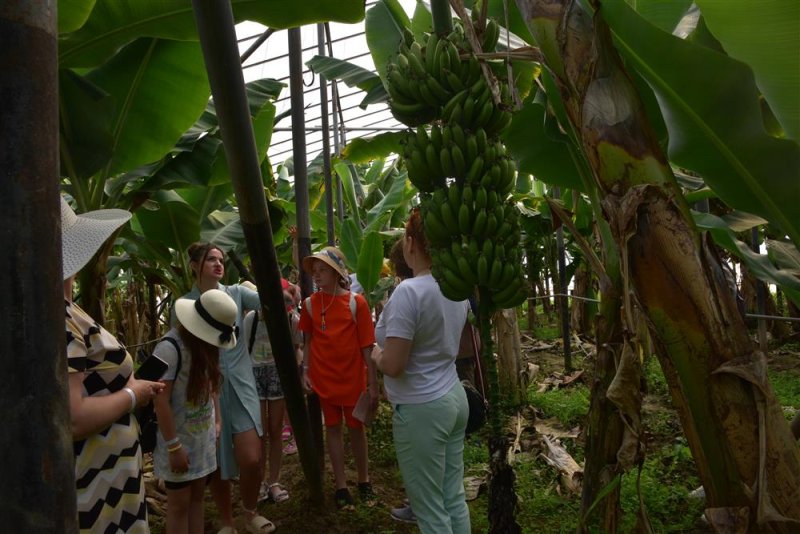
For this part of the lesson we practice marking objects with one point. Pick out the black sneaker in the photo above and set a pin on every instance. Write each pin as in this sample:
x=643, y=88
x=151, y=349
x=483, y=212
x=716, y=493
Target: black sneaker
x=343, y=499
x=367, y=494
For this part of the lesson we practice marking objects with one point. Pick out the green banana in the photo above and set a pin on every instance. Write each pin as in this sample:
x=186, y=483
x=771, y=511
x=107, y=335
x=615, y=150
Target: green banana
x=481, y=139
x=416, y=61
x=434, y=229
x=454, y=197
x=461, y=288
x=467, y=196
x=466, y=271
x=472, y=148
x=435, y=136
x=427, y=95
x=490, y=36
x=447, y=136
x=446, y=162
x=459, y=137
x=491, y=200
x=422, y=138
x=418, y=160
x=508, y=274
x=447, y=110
x=468, y=111
x=494, y=272
x=432, y=159
x=408, y=109
x=455, y=60
x=440, y=93
x=430, y=54
x=449, y=219
x=491, y=224
x=459, y=164
x=482, y=269
x=464, y=219
x=480, y=198
x=479, y=226
x=488, y=250
x=402, y=62
x=473, y=251
x=475, y=169
x=442, y=56
x=484, y=114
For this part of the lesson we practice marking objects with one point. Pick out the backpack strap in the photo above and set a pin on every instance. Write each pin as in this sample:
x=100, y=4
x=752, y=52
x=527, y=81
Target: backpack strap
x=253, y=328
x=175, y=344
x=353, y=305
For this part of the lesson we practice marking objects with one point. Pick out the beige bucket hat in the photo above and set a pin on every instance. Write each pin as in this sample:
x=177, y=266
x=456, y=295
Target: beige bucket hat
x=332, y=256
x=83, y=235
x=212, y=317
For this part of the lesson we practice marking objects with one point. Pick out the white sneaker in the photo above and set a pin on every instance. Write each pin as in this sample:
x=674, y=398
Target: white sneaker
x=263, y=492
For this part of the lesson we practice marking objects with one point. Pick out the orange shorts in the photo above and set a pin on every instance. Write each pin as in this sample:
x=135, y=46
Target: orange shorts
x=333, y=414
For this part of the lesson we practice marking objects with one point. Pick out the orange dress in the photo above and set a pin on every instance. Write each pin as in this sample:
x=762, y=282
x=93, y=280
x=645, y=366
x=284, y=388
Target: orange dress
x=336, y=367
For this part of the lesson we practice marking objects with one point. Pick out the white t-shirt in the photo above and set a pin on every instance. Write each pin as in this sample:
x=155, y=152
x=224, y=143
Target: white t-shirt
x=418, y=311
x=262, y=349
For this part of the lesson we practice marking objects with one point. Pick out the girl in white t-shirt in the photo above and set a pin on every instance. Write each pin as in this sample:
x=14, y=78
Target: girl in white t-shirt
x=419, y=332
x=188, y=411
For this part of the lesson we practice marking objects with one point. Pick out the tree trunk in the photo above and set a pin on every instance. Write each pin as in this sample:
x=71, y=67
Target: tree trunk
x=37, y=493
x=742, y=445
x=580, y=317
x=509, y=356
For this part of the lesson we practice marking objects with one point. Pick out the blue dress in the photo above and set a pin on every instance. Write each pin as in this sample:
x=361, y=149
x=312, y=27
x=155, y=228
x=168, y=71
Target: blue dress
x=238, y=399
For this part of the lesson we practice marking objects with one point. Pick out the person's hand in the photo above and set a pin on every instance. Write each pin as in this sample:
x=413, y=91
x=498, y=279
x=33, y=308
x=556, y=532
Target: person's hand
x=218, y=428
x=179, y=461
x=292, y=232
x=306, y=381
x=376, y=355
x=144, y=390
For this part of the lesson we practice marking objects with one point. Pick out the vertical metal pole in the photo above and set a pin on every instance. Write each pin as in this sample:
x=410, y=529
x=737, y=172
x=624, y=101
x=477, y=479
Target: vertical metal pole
x=761, y=297
x=326, y=138
x=217, y=33
x=337, y=144
x=38, y=489
x=562, y=289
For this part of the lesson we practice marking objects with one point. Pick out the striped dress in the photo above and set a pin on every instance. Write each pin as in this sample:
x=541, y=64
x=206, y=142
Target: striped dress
x=108, y=465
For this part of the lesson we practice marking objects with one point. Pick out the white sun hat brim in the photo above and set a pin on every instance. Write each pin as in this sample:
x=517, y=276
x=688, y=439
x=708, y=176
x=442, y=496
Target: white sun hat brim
x=83, y=235
x=220, y=306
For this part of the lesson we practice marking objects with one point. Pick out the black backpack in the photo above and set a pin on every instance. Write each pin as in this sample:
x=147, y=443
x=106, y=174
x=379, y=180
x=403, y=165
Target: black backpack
x=146, y=415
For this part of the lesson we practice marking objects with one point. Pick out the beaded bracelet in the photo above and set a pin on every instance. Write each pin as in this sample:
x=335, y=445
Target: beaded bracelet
x=175, y=448
x=172, y=441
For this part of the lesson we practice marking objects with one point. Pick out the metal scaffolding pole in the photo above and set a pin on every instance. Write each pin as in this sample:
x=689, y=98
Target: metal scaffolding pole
x=326, y=138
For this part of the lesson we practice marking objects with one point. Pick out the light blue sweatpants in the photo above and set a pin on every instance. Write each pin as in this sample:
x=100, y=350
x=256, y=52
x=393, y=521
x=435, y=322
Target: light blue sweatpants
x=429, y=440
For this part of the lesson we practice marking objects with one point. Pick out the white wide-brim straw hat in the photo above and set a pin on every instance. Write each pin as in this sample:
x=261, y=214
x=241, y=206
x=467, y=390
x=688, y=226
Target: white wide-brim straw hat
x=83, y=235
x=332, y=256
x=212, y=317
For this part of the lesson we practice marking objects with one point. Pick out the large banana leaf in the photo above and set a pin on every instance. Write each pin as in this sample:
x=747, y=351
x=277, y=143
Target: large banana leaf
x=224, y=228
x=351, y=202
x=114, y=23
x=352, y=75
x=540, y=152
x=766, y=36
x=661, y=14
x=160, y=88
x=86, y=116
x=758, y=264
x=785, y=255
x=72, y=14
x=370, y=261
x=175, y=223
x=715, y=127
x=384, y=25
x=399, y=195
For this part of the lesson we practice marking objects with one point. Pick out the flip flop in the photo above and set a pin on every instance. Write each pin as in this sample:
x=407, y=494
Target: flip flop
x=258, y=524
x=227, y=530
x=277, y=496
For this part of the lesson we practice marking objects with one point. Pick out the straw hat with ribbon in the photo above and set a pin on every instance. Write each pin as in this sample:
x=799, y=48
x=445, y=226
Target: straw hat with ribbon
x=331, y=256
x=212, y=317
x=83, y=235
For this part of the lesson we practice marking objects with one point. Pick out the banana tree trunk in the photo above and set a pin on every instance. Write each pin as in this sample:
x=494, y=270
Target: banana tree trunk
x=744, y=450
x=509, y=356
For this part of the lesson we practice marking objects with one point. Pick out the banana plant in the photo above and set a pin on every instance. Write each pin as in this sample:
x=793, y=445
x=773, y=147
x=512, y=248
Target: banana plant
x=132, y=82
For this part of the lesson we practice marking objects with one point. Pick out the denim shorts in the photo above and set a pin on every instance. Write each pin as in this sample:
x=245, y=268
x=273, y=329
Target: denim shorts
x=267, y=382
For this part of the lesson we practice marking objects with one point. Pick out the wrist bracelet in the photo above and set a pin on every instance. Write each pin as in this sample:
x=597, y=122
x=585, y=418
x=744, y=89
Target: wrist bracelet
x=132, y=395
x=172, y=441
x=175, y=447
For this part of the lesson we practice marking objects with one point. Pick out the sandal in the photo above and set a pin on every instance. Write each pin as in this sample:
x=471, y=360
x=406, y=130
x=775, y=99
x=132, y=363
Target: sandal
x=367, y=494
x=290, y=448
x=258, y=524
x=227, y=530
x=277, y=496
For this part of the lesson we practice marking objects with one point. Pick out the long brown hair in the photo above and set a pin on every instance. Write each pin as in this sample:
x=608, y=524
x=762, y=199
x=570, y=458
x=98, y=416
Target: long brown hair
x=198, y=252
x=204, y=375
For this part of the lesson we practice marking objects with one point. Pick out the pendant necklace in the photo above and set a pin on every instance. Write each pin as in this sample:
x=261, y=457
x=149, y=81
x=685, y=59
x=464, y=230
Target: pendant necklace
x=325, y=308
